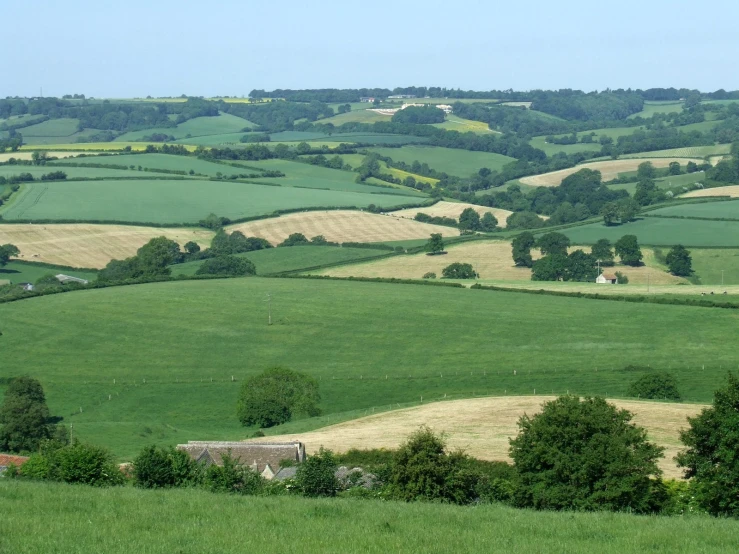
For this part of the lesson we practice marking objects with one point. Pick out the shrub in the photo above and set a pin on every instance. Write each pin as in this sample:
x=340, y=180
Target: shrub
x=163, y=467
x=232, y=477
x=659, y=385
x=435, y=244
x=710, y=458
x=429, y=275
x=583, y=455
x=459, y=271
x=74, y=463
x=317, y=475
x=621, y=278
x=275, y=395
x=227, y=265
x=295, y=239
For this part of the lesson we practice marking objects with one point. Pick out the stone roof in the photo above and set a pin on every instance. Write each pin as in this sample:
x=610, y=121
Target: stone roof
x=286, y=473
x=255, y=455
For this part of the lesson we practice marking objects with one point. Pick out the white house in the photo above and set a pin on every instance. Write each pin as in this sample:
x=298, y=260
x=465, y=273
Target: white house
x=607, y=279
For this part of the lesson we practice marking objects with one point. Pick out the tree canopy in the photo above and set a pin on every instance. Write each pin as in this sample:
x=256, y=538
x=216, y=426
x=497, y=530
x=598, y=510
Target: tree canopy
x=627, y=248
x=679, y=261
x=24, y=416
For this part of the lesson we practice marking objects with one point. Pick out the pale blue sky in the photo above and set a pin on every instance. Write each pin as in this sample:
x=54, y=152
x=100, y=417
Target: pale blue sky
x=163, y=47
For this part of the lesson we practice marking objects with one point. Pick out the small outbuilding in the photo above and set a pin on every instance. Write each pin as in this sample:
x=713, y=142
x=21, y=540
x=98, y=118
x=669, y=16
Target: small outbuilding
x=264, y=458
x=64, y=279
x=607, y=279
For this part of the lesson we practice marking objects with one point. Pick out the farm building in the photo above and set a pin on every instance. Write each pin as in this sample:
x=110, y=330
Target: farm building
x=401, y=96
x=264, y=458
x=367, y=99
x=7, y=459
x=26, y=286
x=607, y=279
x=65, y=279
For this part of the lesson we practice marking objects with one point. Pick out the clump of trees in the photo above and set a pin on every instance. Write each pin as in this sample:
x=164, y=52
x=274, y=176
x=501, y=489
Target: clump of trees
x=419, y=115
x=8, y=251
x=522, y=245
x=151, y=261
x=459, y=270
x=227, y=265
x=435, y=244
x=679, y=261
x=25, y=421
x=655, y=386
x=275, y=396
x=627, y=249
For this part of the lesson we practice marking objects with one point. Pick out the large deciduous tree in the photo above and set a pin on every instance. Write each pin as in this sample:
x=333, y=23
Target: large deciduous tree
x=522, y=245
x=24, y=416
x=469, y=220
x=679, y=261
x=435, y=244
x=603, y=251
x=7, y=251
x=627, y=248
x=553, y=243
x=583, y=454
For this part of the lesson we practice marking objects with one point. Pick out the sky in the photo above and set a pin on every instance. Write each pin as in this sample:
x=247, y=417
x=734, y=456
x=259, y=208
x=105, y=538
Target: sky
x=166, y=48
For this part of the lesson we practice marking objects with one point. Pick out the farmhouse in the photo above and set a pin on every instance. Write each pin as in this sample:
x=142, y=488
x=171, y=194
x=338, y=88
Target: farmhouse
x=264, y=458
x=6, y=460
x=607, y=279
x=367, y=99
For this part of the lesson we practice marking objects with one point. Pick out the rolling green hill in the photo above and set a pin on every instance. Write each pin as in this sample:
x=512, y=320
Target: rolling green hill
x=462, y=163
x=128, y=366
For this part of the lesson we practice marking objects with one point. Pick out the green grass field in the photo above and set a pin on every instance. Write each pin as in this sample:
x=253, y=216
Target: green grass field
x=299, y=174
x=552, y=149
x=716, y=266
x=59, y=518
x=662, y=232
x=455, y=123
x=197, y=127
x=651, y=108
x=291, y=258
x=361, y=115
x=369, y=138
x=687, y=152
x=226, y=139
x=24, y=272
x=73, y=172
x=161, y=161
x=174, y=201
x=52, y=128
x=462, y=163
x=715, y=210
x=677, y=180
x=368, y=344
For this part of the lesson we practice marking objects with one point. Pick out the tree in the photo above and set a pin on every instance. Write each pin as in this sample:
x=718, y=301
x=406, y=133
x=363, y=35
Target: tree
x=488, y=223
x=552, y=267
x=275, y=395
x=435, y=244
x=646, y=170
x=581, y=267
x=609, y=211
x=459, y=271
x=710, y=457
x=221, y=245
x=655, y=386
x=603, y=251
x=422, y=469
x=674, y=168
x=24, y=416
x=295, y=239
x=316, y=476
x=158, y=467
x=679, y=261
x=232, y=266
x=583, y=454
x=522, y=245
x=627, y=248
x=524, y=220
x=469, y=220
x=192, y=247
x=627, y=210
x=157, y=254
x=553, y=243
x=7, y=251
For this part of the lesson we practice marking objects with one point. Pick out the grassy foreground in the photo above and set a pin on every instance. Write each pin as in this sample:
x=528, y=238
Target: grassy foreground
x=131, y=366
x=55, y=518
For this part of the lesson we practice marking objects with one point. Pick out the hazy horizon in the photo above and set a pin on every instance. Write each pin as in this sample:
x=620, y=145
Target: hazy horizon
x=138, y=49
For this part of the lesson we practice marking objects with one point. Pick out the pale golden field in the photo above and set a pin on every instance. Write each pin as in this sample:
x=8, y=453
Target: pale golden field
x=453, y=209
x=28, y=155
x=731, y=190
x=609, y=169
x=340, y=226
x=482, y=426
x=493, y=261
x=87, y=245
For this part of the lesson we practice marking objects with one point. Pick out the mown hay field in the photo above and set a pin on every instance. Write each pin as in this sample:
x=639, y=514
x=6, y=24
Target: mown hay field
x=400, y=174
x=26, y=155
x=491, y=259
x=482, y=426
x=87, y=245
x=609, y=170
x=341, y=226
x=453, y=210
x=174, y=201
x=462, y=163
x=91, y=146
x=731, y=190
x=456, y=123
x=367, y=344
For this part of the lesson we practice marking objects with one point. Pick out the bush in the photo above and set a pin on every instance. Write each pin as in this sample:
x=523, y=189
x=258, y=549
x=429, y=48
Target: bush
x=423, y=470
x=75, y=463
x=232, y=477
x=429, y=275
x=621, y=279
x=24, y=416
x=710, y=458
x=583, y=455
x=317, y=475
x=295, y=239
x=657, y=386
x=459, y=271
x=163, y=467
x=275, y=395
x=228, y=266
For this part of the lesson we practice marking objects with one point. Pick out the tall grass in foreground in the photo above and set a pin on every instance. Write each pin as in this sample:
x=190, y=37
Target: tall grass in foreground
x=56, y=518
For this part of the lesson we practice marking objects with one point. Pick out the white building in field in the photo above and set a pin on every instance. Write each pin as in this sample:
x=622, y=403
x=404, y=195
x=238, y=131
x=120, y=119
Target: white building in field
x=607, y=279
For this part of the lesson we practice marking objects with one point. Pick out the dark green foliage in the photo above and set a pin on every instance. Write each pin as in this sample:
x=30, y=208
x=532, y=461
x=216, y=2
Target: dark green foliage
x=553, y=243
x=459, y=270
x=524, y=220
x=295, y=239
x=581, y=267
x=54, y=176
x=622, y=279
x=679, y=261
x=488, y=223
x=646, y=170
x=550, y=268
x=73, y=463
x=419, y=115
x=371, y=459
x=647, y=193
x=232, y=477
x=469, y=220
x=317, y=475
x=151, y=261
x=435, y=244
x=232, y=266
x=627, y=248
x=192, y=247
x=214, y=222
x=436, y=220
x=429, y=275
x=656, y=386
x=275, y=395
x=158, y=467
x=7, y=251
x=603, y=251
x=24, y=416
x=583, y=455
x=422, y=469
x=710, y=459
x=522, y=245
